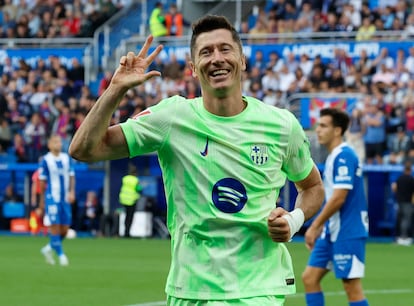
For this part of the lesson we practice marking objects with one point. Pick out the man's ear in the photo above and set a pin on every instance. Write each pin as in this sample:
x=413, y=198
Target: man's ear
x=243, y=60
x=193, y=71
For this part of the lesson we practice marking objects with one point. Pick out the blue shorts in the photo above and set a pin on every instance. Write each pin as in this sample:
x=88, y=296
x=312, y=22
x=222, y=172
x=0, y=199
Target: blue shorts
x=58, y=213
x=346, y=257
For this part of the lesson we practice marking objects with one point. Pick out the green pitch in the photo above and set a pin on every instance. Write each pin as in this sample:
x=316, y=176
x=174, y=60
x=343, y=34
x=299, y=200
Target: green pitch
x=105, y=271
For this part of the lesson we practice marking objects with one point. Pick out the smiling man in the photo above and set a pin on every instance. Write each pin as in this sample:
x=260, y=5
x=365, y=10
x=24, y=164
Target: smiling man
x=224, y=159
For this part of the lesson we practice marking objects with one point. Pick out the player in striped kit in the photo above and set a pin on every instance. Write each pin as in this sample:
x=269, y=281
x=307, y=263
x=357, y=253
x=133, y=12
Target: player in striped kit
x=224, y=159
x=57, y=179
x=337, y=236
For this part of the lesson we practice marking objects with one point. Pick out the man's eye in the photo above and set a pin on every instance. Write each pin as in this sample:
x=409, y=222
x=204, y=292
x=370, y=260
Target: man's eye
x=204, y=52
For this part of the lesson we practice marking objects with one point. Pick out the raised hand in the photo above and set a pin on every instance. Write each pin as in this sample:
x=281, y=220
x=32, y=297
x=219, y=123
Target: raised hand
x=132, y=69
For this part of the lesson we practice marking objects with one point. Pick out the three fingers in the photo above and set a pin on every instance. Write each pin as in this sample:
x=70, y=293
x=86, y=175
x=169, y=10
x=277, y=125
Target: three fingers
x=128, y=60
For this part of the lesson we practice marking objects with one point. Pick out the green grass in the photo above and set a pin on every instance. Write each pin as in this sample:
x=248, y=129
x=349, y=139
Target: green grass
x=106, y=271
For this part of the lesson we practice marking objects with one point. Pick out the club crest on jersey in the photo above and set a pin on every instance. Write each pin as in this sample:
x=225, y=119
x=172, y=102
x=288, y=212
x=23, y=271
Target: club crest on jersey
x=258, y=154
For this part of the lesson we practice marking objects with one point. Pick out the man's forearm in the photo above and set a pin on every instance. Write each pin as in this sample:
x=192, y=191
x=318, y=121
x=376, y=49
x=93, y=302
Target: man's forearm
x=91, y=133
x=310, y=200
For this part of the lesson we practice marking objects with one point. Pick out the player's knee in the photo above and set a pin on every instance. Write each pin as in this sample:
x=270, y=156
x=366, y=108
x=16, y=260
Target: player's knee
x=353, y=289
x=307, y=278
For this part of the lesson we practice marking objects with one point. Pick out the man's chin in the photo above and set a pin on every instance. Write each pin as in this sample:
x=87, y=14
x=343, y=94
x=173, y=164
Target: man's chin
x=222, y=92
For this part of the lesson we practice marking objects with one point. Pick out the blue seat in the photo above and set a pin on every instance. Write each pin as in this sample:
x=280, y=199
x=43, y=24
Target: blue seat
x=14, y=210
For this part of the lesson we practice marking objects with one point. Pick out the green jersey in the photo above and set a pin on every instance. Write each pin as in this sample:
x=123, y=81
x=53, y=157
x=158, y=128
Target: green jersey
x=222, y=177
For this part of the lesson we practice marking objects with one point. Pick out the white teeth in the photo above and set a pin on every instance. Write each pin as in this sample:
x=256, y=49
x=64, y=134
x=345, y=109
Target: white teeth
x=219, y=72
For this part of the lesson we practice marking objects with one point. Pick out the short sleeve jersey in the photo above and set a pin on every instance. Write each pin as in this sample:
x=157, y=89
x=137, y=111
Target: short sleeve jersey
x=343, y=171
x=56, y=171
x=222, y=177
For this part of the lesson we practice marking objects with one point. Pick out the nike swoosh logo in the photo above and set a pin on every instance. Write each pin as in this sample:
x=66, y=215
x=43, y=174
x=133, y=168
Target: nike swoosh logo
x=205, y=152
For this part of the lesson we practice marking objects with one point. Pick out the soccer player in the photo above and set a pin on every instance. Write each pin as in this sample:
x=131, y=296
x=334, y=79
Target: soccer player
x=224, y=159
x=57, y=180
x=337, y=236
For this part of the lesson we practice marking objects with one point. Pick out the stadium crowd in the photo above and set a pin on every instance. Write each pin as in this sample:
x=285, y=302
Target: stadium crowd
x=52, y=98
x=52, y=18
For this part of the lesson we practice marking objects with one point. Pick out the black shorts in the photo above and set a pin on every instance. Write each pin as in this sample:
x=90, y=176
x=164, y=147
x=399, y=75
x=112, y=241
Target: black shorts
x=374, y=149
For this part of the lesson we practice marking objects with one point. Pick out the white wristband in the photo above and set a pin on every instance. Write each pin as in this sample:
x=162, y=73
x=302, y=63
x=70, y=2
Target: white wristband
x=295, y=219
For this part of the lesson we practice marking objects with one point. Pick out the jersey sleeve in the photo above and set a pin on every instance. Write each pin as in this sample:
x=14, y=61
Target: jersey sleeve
x=147, y=131
x=299, y=162
x=343, y=171
x=43, y=170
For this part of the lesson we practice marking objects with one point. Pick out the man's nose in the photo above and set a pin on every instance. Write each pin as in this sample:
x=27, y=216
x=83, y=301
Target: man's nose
x=217, y=56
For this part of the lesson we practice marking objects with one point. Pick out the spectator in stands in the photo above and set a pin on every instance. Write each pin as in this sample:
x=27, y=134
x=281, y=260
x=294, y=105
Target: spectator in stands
x=404, y=193
x=10, y=195
x=374, y=137
x=275, y=61
x=286, y=79
x=353, y=14
x=408, y=31
x=352, y=80
x=385, y=58
x=129, y=196
x=270, y=81
x=256, y=90
x=398, y=148
x=355, y=133
x=63, y=87
x=46, y=21
x=306, y=17
x=8, y=25
x=260, y=62
x=341, y=60
x=292, y=62
x=10, y=8
x=331, y=25
x=345, y=25
x=387, y=16
x=174, y=21
x=91, y=213
x=384, y=77
x=104, y=82
x=336, y=81
x=157, y=21
x=257, y=34
x=300, y=82
x=290, y=15
x=125, y=108
x=19, y=148
x=364, y=66
x=279, y=9
x=63, y=127
x=306, y=64
x=40, y=95
x=35, y=135
x=272, y=28
x=173, y=68
x=76, y=74
x=409, y=115
x=317, y=80
x=108, y=8
x=409, y=61
x=72, y=22
x=366, y=31
x=5, y=135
